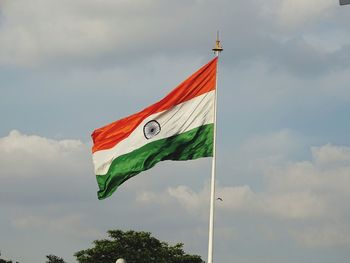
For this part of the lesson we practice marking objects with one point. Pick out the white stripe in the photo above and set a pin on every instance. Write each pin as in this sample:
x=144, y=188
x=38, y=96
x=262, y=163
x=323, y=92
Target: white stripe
x=179, y=119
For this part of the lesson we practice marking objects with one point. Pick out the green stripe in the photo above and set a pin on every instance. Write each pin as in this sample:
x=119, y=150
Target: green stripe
x=192, y=144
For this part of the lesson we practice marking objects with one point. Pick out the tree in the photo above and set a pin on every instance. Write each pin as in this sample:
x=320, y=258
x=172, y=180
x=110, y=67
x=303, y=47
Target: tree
x=4, y=261
x=54, y=259
x=135, y=247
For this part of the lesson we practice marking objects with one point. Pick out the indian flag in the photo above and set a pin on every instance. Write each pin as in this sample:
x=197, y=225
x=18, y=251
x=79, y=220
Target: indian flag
x=178, y=127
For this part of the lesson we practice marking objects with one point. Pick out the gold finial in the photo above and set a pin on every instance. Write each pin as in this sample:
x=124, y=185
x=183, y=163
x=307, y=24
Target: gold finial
x=218, y=48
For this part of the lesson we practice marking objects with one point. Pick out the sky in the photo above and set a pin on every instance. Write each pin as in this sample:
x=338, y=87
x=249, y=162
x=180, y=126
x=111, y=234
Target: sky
x=283, y=146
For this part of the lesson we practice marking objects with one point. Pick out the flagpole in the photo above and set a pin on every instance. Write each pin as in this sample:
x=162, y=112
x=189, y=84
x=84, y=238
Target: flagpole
x=217, y=49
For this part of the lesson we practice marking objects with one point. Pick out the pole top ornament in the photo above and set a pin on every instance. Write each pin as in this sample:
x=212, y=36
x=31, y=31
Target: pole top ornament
x=218, y=48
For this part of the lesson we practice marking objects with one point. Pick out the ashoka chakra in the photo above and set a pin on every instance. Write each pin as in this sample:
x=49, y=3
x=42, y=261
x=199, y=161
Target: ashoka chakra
x=151, y=129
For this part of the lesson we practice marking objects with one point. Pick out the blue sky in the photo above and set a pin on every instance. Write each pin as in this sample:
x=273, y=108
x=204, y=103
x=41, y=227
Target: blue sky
x=67, y=68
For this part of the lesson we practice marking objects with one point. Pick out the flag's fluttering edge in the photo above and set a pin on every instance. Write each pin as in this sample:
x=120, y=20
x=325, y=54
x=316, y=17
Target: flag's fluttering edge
x=178, y=127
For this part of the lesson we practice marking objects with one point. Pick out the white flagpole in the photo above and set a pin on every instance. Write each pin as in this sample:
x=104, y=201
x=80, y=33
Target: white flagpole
x=217, y=51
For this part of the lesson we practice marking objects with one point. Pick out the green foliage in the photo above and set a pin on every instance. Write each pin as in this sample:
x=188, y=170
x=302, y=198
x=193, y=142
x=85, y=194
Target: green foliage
x=4, y=261
x=134, y=247
x=54, y=259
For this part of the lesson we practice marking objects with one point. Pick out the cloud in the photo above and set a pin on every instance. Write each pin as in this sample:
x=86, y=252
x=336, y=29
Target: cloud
x=49, y=29
x=297, y=12
x=188, y=198
x=306, y=191
x=294, y=206
x=306, y=58
x=299, y=206
x=101, y=33
x=330, y=155
x=194, y=202
x=34, y=156
x=88, y=30
x=38, y=170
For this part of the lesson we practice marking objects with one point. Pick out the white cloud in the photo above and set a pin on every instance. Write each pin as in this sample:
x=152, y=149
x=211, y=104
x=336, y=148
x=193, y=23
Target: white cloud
x=43, y=32
x=315, y=188
x=240, y=198
x=327, y=174
x=308, y=191
x=290, y=205
x=194, y=202
x=331, y=155
x=40, y=30
x=188, y=198
x=32, y=156
x=297, y=12
x=298, y=205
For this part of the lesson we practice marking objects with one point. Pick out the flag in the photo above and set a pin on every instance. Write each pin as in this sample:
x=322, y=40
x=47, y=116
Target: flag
x=178, y=127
